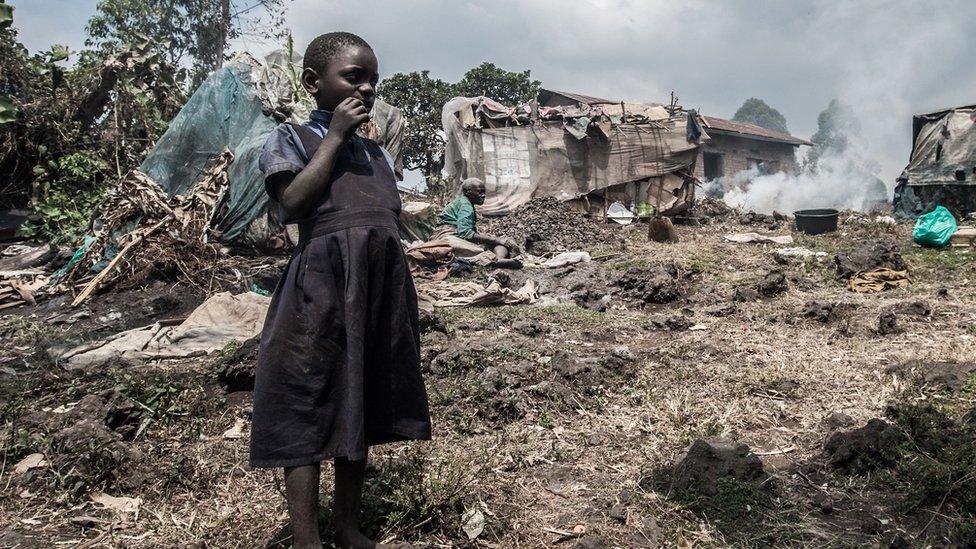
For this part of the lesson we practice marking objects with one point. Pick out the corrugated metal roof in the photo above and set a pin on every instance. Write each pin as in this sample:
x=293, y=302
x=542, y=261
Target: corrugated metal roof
x=751, y=131
x=580, y=98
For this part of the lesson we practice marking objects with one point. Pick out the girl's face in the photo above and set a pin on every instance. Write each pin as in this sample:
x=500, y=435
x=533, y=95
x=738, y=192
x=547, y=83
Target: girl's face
x=353, y=72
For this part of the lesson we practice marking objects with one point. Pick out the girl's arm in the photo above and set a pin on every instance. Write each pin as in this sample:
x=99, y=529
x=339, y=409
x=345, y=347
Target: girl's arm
x=298, y=193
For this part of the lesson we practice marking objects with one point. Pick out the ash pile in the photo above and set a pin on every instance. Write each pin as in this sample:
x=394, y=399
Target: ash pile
x=545, y=225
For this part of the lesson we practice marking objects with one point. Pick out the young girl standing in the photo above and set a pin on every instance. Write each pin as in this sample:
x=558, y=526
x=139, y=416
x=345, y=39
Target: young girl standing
x=339, y=361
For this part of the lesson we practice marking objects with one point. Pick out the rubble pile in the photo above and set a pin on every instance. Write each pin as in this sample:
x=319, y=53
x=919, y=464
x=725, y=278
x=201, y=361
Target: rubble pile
x=714, y=209
x=142, y=231
x=545, y=225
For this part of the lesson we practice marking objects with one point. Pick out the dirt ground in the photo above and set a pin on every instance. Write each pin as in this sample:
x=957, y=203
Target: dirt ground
x=561, y=424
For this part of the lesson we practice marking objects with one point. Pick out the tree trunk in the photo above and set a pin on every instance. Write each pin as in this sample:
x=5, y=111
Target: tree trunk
x=224, y=31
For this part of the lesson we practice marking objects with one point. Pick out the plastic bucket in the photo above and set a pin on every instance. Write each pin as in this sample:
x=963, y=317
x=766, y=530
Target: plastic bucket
x=816, y=221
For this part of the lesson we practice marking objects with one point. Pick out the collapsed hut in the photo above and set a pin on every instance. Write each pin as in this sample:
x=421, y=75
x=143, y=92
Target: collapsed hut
x=587, y=154
x=942, y=169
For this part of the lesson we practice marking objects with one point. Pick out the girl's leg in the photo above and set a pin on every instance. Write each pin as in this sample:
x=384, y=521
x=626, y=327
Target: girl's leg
x=302, y=492
x=349, y=476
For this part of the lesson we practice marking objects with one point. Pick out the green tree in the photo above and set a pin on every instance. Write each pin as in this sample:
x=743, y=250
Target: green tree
x=507, y=87
x=836, y=125
x=190, y=32
x=77, y=122
x=758, y=112
x=421, y=99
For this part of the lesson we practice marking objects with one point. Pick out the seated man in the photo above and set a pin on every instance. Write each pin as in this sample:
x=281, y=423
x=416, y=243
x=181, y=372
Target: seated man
x=457, y=226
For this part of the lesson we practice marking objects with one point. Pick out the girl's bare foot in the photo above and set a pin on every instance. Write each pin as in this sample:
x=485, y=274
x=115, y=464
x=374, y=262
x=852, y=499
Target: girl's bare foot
x=356, y=540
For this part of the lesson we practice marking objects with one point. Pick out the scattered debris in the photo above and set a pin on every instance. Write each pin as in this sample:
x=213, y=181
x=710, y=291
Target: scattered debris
x=237, y=430
x=878, y=280
x=473, y=294
x=32, y=461
x=28, y=258
x=473, y=523
x=218, y=321
x=756, y=238
x=172, y=232
x=713, y=209
x=235, y=370
x=868, y=257
x=120, y=504
x=783, y=255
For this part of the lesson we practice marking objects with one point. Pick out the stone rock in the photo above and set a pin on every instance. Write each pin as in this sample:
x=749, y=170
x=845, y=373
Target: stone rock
x=526, y=328
x=915, y=308
x=773, y=284
x=431, y=322
x=838, y=420
x=952, y=376
x=236, y=370
x=707, y=461
x=722, y=310
x=744, y=295
x=618, y=512
x=678, y=323
x=864, y=448
x=662, y=285
x=818, y=311
x=887, y=323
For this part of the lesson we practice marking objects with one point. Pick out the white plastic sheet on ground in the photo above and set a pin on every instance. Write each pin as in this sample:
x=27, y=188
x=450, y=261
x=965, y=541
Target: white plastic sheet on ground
x=221, y=319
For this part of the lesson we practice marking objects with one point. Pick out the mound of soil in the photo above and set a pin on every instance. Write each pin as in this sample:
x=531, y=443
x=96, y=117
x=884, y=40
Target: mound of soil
x=864, y=448
x=660, y=285
x=869, y=256
x=707, y=461
x=545, y=225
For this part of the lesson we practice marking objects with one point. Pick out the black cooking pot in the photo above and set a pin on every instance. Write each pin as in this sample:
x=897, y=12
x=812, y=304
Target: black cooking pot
x=816, y=221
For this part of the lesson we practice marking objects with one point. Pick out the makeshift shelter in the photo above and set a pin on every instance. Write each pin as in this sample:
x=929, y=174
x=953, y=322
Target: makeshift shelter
x=942, y=169
x=588, y=155
x=235, y=109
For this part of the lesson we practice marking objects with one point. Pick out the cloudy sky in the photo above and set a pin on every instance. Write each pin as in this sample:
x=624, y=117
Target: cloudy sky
x=888, y=59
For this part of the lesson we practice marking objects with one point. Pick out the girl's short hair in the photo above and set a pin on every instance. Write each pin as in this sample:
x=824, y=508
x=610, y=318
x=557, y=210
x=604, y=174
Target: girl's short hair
x=326, y=46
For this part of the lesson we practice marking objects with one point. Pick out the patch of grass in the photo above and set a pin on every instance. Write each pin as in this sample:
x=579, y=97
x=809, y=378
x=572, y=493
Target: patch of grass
x=501, y=316
x=749, y=516
x=627, y=264
x=413, y=494
x=160, y=400
x=935, y=467
x=939, y=259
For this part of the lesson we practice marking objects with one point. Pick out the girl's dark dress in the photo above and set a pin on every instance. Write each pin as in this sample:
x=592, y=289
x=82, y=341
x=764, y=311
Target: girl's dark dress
x=339, y=361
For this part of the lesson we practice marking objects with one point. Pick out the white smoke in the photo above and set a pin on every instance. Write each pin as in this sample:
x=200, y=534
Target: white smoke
x=839, y=182
x=837, y=174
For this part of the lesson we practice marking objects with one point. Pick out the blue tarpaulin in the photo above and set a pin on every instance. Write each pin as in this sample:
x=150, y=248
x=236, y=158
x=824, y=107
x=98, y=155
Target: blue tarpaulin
x=224, y=112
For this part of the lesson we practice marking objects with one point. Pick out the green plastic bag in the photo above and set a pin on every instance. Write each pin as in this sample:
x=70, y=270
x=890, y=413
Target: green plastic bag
x=934, y=228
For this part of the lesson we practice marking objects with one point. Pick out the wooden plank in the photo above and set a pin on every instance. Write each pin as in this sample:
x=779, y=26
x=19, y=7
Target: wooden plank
x=963, y=237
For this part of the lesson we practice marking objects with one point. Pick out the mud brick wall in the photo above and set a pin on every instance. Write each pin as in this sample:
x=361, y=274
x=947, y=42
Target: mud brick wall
x=736, y=152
